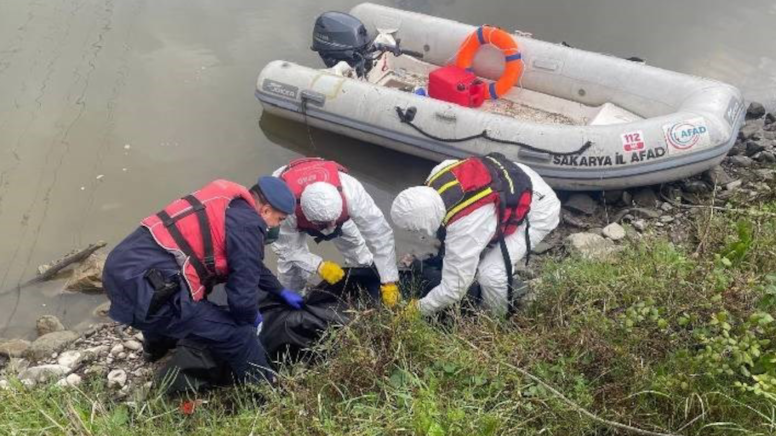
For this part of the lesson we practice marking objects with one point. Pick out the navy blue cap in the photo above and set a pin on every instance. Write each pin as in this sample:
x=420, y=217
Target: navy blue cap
x=277, y=193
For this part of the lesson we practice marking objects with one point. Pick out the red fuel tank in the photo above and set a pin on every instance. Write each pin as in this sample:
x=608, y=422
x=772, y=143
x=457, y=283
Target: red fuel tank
x=456, y=85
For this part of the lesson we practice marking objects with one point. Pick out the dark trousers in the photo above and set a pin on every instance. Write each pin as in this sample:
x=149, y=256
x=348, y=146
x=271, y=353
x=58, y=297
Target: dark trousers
x=231, y=342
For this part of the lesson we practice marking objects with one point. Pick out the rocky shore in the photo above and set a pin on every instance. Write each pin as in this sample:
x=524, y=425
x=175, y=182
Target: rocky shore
x=593, y=225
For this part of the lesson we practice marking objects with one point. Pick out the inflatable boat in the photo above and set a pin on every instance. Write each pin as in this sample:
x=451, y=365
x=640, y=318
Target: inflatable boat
x=583, y=120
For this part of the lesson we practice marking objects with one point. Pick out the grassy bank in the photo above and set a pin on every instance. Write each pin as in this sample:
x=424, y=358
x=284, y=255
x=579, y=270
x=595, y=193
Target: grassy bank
x=664, y=338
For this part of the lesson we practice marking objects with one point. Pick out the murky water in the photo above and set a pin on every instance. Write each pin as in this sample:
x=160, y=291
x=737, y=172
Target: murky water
x=109, y=109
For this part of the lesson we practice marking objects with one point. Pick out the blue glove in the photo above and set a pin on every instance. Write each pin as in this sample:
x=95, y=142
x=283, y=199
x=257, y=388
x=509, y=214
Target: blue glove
x=257, y=323
x=292, y=298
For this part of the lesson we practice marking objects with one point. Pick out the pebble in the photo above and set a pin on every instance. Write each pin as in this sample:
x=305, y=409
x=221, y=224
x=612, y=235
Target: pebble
x=666, y=219
x=640, y=225
x=614, y=231
x=666, y=207
x=4, y=384
x=133, y=345
x=116, y=350
x=732, y=186
x=139, y=336
x=73, y=379
x=122, y=356
x=69, y=358
x=117, y=377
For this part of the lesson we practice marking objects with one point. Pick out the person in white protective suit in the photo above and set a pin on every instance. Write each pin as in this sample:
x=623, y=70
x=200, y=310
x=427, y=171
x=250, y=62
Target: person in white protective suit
x=481, y=209
x=332, y=205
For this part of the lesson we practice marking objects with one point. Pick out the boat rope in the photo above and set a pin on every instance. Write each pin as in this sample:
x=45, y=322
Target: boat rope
x=407, y=116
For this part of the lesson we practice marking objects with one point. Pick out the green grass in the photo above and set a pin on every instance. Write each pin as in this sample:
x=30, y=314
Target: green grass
x=666, y=339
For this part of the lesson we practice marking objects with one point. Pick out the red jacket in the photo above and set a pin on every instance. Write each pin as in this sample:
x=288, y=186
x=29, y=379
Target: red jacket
x=305, y=171
x=193, y=230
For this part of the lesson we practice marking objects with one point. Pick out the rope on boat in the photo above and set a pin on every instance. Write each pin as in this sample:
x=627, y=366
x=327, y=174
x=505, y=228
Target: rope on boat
x=407, y=116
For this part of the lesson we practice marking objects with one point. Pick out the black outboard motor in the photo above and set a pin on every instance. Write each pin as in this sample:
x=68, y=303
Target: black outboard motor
x=338, y=36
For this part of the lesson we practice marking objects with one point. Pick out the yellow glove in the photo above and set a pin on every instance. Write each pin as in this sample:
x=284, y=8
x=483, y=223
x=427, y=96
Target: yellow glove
x=331, y=272
x=391, y=295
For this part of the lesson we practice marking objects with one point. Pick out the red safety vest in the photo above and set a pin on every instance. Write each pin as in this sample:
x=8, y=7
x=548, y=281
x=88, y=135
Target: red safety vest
x=305, y=171
x=193, y=229
x=469, y=184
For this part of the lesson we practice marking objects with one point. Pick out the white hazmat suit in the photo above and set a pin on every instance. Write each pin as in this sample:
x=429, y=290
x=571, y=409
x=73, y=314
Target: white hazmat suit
x=366, y=236
x=468, y=247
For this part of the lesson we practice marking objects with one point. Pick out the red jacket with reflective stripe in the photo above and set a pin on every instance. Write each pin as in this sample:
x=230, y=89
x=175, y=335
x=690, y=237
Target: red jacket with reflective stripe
x=215, y=196
x=305, y=171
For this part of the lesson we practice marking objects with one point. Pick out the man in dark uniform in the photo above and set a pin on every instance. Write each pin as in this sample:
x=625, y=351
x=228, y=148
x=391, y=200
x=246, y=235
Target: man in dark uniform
x=158, y=278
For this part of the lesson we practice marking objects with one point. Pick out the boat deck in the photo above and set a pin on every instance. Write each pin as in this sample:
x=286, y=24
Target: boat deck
x=406, y=73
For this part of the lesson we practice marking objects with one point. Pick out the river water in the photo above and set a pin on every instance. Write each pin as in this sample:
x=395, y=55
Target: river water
x=110, y=109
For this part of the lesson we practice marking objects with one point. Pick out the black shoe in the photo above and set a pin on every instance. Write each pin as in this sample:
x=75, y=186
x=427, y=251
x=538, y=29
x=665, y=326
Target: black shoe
x=157, y=348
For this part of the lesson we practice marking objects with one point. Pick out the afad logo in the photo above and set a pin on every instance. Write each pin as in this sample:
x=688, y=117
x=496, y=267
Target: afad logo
x=684, y=136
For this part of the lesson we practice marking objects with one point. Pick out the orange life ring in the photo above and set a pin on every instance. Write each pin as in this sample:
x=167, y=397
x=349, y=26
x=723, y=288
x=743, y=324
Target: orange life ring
x=501, y=39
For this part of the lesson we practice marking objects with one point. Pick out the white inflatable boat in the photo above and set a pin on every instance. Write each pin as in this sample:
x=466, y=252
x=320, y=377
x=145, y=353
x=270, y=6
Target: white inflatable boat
x=584, y=121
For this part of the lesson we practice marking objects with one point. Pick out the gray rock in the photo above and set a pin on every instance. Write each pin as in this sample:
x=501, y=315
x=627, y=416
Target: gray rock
x=741, y=161
x=590, y=246
x=696, y=187
x=43, y=373
x=737, y=149
x=751, y=130
x=117, y=378
x=640, y=225
x=769, y=136
x=765, y=174
x=48, y=324
x=132, y=345
x=121, y=356
x=752, y=148
x=116, y=350
x=645, y=197
x=101, y=311
x=70, y=358
x=87, y=276
x=717, y=176
x=100, y=350
x=614, y=231
x=581, y=203
x=767, y=157
x=665, y=219
x=72, y=381
x=541, y=248
x=666, y=207
x=50, y=343
x=755, y=110
x=14, y=347
x=640, y=212
x=732, y=186
x=770, y=118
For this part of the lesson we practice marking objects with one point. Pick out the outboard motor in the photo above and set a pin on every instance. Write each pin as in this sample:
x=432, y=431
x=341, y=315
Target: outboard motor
x=338, y=36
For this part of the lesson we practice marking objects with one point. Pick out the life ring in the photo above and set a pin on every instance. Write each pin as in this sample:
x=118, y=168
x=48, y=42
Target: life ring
x=513, y=68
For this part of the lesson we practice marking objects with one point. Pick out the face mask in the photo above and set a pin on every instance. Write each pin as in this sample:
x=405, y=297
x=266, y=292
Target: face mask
x=272, y=235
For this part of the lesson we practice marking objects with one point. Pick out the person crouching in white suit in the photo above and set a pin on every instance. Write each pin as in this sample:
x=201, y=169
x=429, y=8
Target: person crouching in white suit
x=488, y=212
x=332, y=205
